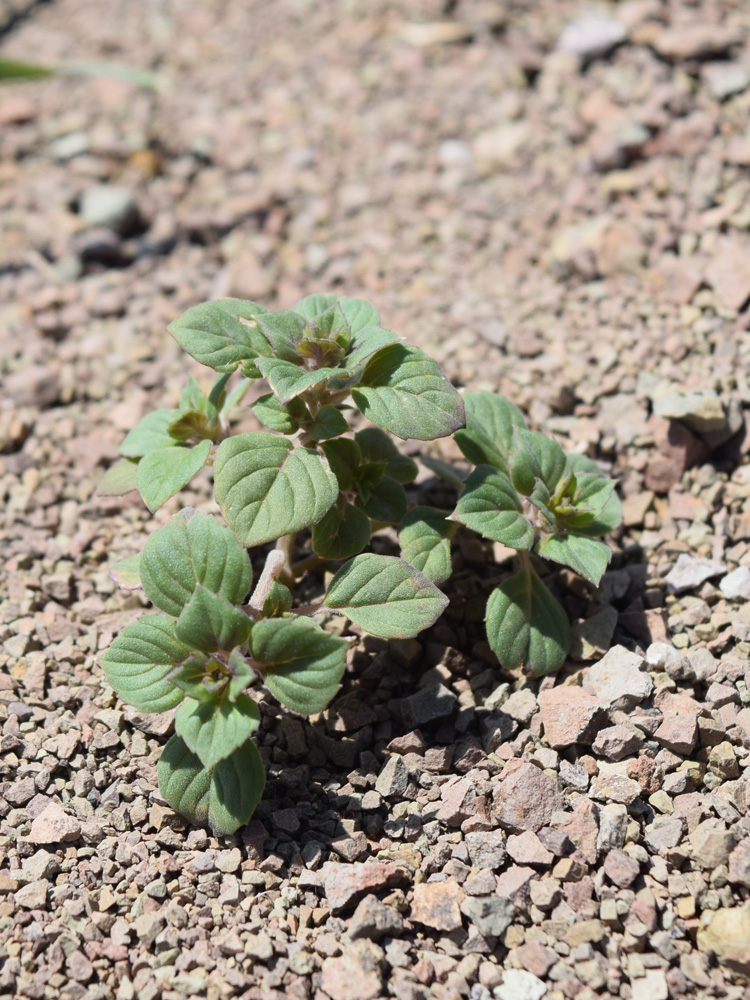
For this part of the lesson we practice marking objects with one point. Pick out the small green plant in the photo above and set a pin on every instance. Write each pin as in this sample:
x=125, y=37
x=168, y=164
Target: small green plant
x=311, y=485
x=527, y=493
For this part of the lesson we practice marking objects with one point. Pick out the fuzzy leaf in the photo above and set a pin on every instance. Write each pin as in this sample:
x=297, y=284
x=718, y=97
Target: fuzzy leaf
x=119, y=478
x=208, y=622
x=139, y=662
x=190, y=676
x=127, y=573
x=586, y=556
x=272, y=414
x=150, y=434
x=242, y=673
x=192, y=424
x=329, y=423
x=385, y=501
x=191, y=549
x=526, y=626
x=289, y=380
x=215, y=729
x=490, y=506
x=267, y=488
x=425, y=538
x=344, y=457
x=235, y=397
x=446, y=470
x=376, y=446
x=599, y=496
x=283, y=331
x=164, y=472
x=404, y=391
x=279, y=599
x=488, y=436
x=192, y=397
x=535, y=458
x=213, y=334
x=385, y=596
x=343, y=532
x=225, y=797
x=301, y=664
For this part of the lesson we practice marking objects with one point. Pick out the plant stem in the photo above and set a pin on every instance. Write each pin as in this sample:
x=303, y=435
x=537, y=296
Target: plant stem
x=304, y=565
x=285, y=545
x=525, y=560
x=274, y=564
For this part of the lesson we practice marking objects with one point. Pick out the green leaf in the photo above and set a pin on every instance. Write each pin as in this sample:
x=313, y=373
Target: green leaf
x=150, y=434
x=192, y=424
x=537, y=458
x=242, y=673
x=582, y=463
x=301, y=664
x=283, y=331
x=490, y=505
x=215, y=729
x=213, y=333
x=445, y=470
x=490, y=421
x=267, y=488
x=208, y=622
x=367, y=336
x=376, y=446
x=279, y=599
x=289, y=380
x=126, y=573
x=367, y=478
x=385, y=596
x=526, y=626
x=225, y=797
x=385, y=501
x=404, y=391
x=190, y=676
x=119, y=478
x=586, y=556
x=272, y=414
x=236, y=396
x=599, y=496
x=425, y=538
x=358, y=313
x=192, y=549
x=321, y=352
x=192, y=397
x=367, y=344
x=343, y=532
x=10, y=69
x=344, y=457
x=329, y=423
x=164, y=472
x=217, y=396
x=139, y=662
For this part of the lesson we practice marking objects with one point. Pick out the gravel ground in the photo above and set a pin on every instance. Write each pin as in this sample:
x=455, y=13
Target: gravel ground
x=554, y=200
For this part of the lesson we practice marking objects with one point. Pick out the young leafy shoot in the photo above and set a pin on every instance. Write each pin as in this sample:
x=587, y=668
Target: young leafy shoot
x=313, y=480
x=529, y=495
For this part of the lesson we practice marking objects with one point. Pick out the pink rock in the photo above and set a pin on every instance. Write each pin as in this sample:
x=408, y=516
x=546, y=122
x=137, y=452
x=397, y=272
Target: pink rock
x=459, y=802
x=345, y=884
x=621, y=869
x=54, y=826
x=678, y=733
x=526, y=798
x=437, y=905
x=345, y=979
x=570, y=715
x=527, y=849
